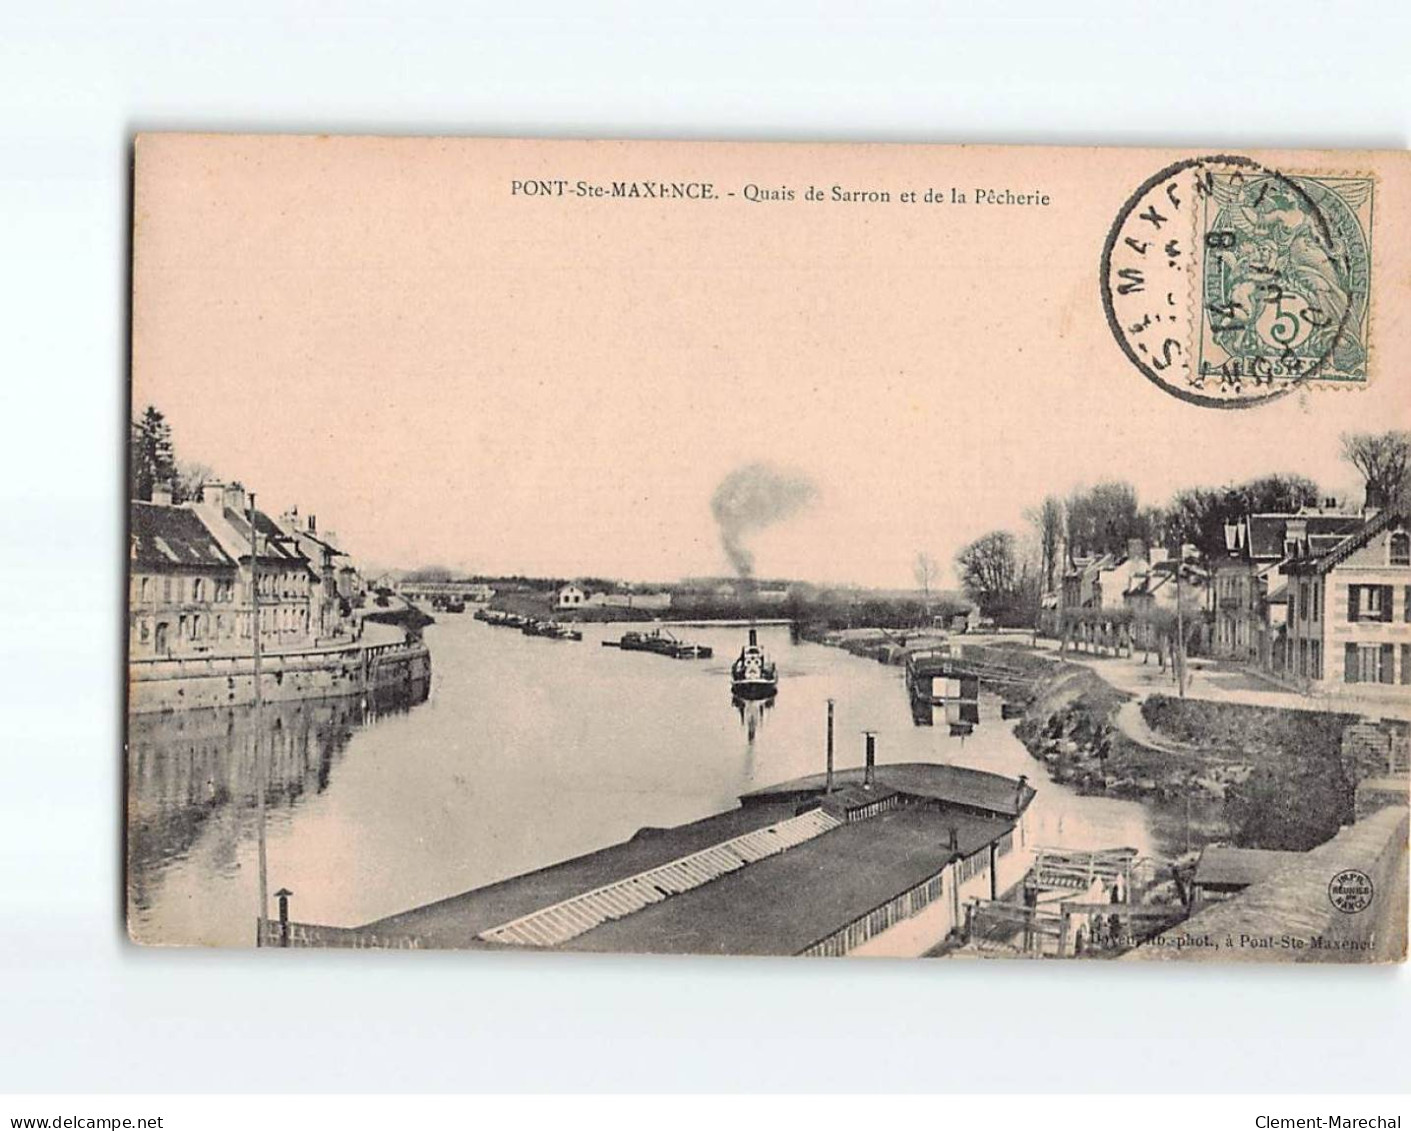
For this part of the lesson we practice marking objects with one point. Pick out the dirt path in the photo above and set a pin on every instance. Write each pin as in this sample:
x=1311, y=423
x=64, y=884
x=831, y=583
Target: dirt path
x=1130, y=722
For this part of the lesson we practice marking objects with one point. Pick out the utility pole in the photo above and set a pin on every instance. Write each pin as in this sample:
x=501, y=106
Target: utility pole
x=261, y=786
x=1180, y=657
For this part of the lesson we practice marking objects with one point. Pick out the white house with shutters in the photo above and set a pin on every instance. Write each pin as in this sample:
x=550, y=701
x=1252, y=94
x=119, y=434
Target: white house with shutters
x=1349, y=608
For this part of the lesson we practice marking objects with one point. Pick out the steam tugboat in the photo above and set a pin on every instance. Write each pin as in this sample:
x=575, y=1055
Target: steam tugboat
x=752, y=676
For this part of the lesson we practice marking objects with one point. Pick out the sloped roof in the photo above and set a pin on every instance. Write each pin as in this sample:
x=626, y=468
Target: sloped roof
x=275, y=546
x=1267, y=531
x=1224, y=866
x=956, y=785
x=780, y=904
x=171, y=537
x=1345, y=548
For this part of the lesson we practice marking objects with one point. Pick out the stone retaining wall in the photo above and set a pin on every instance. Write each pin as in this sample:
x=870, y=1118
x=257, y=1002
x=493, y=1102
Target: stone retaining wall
x=224, y=681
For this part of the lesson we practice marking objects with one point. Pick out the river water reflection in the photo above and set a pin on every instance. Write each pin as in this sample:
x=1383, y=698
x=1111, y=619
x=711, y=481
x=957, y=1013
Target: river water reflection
x=526, y=751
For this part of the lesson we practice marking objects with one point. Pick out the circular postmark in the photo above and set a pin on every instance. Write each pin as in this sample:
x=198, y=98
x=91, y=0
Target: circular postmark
x=1229, y=284
x=1351, y=891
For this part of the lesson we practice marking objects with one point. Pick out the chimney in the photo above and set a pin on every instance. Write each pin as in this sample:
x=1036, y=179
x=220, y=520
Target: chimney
x=828, y=781
x=313, y=524
x=1136, y=549
x=953, y=840
x=1188, y=551
x=1158, y=555
x=754, y=640
x=1296, y=531
x=233, y=495
x=1019, y=791
x=869, y=771
x=213, y=495
x=161, y=492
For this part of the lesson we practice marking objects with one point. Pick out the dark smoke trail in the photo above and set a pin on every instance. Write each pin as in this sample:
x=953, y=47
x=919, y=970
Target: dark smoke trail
x=751, y=498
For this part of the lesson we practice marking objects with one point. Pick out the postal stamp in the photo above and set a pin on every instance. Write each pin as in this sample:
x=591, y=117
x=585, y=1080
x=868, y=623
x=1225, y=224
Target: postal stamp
x=1230, y=284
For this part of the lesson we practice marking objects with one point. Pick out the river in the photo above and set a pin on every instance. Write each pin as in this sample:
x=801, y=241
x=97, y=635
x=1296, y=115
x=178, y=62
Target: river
x=522, y=752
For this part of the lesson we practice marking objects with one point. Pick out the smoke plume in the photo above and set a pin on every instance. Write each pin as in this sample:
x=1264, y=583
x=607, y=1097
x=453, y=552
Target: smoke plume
x=752, y=498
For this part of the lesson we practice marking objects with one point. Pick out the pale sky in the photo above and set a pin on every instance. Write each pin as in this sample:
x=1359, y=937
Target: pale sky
x=443, y=372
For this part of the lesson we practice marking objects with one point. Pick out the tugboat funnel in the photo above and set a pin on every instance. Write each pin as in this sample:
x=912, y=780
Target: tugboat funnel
x=754, y=641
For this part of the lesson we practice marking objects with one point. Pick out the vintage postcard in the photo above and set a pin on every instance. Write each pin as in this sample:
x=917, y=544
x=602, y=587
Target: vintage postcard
x=769, y=549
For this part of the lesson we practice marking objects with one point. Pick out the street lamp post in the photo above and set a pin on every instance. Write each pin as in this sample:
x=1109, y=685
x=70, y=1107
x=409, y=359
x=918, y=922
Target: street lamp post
x=261, y=787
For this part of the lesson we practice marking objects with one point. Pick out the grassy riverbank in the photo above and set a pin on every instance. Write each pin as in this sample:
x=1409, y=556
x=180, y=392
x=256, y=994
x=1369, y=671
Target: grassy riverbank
x=1255, y=776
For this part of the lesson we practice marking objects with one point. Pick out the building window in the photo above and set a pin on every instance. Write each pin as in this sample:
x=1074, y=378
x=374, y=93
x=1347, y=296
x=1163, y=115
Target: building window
x=196, y=589
x=1369, y=663
x=1315, y=658
x=1400, y=548
x=1303, y=600
x=1303, y=657
x=166, y=589
x=146, y=589
x=1406, y=663
x=144, y=632
x=1369, y=602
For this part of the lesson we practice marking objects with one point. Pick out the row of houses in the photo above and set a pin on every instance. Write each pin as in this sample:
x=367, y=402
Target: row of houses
x=1318, y=596
x=1145, y=581
x=190, y=568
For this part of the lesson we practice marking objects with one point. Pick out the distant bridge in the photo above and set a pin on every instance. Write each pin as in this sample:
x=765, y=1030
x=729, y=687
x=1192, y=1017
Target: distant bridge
x=460, y=590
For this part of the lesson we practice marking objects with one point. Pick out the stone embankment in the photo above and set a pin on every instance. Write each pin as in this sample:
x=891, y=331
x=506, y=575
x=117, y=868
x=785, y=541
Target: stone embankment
x=316, y=673
x=1271, y=777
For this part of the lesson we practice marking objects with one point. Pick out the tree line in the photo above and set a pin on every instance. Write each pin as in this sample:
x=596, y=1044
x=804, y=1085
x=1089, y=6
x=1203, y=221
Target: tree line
x=1007, y=580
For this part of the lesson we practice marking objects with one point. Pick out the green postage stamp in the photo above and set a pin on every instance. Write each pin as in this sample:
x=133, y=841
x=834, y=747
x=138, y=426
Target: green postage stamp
x=1285, y=290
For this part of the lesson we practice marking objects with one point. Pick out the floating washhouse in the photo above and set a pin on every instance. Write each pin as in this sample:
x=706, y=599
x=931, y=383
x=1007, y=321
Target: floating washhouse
x=936, y=676
x=815, y=866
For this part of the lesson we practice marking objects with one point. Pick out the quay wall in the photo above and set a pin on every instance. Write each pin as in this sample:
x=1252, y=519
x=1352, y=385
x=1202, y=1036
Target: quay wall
x=321, y=673
x=1289, y=916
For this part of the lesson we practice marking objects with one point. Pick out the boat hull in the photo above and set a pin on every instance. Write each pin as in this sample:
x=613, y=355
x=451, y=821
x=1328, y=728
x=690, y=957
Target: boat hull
x=755, y=688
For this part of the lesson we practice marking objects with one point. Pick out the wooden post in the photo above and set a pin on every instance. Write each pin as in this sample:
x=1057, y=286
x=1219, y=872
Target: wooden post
x=828, y=783
x=1064, y=930
x=283, y=896
x=261, y=787
x=969, y=923
x=1180, y=659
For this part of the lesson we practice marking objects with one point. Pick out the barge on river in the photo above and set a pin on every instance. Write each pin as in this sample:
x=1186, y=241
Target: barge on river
x=660, y=642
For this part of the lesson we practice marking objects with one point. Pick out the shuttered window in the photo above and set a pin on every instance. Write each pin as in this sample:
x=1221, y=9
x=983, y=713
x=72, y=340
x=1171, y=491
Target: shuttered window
x=1350, y=663
x=1369, y=602
x=1388, y=659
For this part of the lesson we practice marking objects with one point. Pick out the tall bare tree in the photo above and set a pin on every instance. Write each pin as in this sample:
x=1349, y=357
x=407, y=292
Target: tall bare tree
x=1383, y=459
x=924, y=570
x=1047, y=519
x=989, y=569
